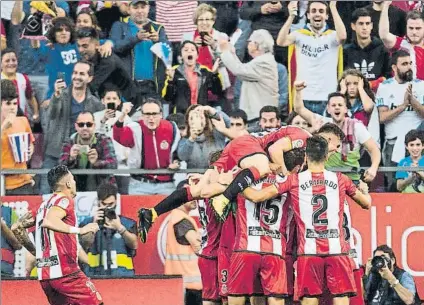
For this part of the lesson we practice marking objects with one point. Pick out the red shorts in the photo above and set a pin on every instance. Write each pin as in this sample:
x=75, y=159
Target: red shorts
x=224, y=258
x=236, y=151
x=209, y=272
x=314, y=273
x=290, y=274
x=75, y=289
x=256, y=274
x=359, y=298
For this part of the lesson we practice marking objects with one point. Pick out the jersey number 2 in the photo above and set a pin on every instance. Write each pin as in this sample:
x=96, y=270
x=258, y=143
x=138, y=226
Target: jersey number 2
x=321, y=202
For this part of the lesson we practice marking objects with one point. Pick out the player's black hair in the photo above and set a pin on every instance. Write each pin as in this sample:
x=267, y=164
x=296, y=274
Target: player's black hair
x=293, y=158
x=333, y=129
x=316, y=149
x=55, y=175
x=269, y=108
x=105, y=190
x=87, y=32
x=239, y=113
x=214, y=156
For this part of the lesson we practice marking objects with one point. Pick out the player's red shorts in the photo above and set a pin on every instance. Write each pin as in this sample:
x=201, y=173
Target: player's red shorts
x=359, y=298
x=224, y=258
x=256, y=274
x=314, y=272
x=290, y=274
x=236, y=151
x=209, y=272
x=75, y=289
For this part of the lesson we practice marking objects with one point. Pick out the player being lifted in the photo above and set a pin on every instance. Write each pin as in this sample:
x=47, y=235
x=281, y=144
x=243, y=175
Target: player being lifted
x=56, y=242
x=254, y=155
x=317, y=197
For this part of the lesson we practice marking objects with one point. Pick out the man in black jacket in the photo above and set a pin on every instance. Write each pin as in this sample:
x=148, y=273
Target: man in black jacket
x=108, y=71
x=366, y=54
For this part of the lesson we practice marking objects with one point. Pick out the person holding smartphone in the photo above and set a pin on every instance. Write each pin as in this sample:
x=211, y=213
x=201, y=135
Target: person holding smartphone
x=105, y=119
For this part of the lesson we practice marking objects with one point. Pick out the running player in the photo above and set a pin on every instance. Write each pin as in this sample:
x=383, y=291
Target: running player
x=56, y=241
x=290, y=136
x=317, y=197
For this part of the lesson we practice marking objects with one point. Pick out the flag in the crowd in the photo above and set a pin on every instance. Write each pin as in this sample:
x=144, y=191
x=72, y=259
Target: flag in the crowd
x=164, y=52
x=19, y=143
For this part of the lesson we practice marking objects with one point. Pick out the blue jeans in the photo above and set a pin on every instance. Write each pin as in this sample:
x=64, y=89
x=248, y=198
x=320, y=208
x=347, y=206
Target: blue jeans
x=144, y=188
x=49, y=162
x=317, y=107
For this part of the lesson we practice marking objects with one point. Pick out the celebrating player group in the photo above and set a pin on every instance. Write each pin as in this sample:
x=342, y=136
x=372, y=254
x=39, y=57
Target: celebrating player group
x=276, y=223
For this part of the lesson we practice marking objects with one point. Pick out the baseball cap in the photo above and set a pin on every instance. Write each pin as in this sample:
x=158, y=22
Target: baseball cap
x=134, y=2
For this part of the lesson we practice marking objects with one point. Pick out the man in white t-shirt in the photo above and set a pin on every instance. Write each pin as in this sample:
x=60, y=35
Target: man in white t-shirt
x=356, y=134
x=400, y=102
x=317, y=51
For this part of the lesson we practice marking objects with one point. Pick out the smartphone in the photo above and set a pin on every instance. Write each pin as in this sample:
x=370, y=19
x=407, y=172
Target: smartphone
x=61, y=75
x=111, y=106
x=147, y=28
x=84, y=149
x=202, y=35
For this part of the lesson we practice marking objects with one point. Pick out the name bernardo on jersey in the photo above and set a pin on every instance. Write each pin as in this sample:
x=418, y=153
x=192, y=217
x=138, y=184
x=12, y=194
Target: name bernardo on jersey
x=318, y=182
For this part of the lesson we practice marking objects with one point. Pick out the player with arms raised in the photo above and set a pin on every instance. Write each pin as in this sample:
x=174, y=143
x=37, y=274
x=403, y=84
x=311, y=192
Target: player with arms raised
x=317, y=197
x=56, y=241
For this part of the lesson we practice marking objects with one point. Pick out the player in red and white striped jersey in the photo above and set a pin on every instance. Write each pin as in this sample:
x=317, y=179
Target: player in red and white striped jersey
x=56, y=242
x=317, y=197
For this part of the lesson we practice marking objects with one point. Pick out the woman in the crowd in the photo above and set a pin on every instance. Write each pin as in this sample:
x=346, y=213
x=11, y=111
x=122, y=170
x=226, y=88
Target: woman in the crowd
x=296, y=120
x=203, y=135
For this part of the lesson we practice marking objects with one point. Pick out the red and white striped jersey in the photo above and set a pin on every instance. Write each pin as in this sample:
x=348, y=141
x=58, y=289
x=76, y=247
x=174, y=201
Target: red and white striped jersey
x=56, y=253
x=347, y=227
x=260, y=227
x=296, y=135
x=289, y=228
x=318, y=205
x=211, y=233
x=228, y=232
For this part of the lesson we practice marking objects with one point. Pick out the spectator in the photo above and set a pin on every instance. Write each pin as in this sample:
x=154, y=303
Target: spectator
x=400, y=104
x=413, y=42
x=238, y=121
x=108, y=71
x=396, y=15
x=259, y=76
x=317, y=52
x=65, y=106
x=269, y=119
x=227, y=16
x=357, y=136
x=206, y=38
x=11, y=156
x=116, y=239
x=11, y=27
x=153, y=142
x=87, y=149
x=367, y=54
x=132, y=42
x=183, y=240
x=189, y=83
x=9, y=243
x=179, y=119
x=270, y=16
x=359, y=97
x=412, y=182
x=389, y=284
x=177, y=18
x=202, y=138
x=296, y=120
x=105, y=120
x=26, y=98
x=86, y=19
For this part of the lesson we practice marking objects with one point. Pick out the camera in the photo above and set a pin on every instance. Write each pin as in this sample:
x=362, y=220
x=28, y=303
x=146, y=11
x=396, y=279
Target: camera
x=110, y=213
x=379, y=262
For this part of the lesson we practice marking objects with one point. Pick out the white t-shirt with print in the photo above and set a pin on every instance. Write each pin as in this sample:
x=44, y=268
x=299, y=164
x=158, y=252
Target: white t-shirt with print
x=316, y=64
x=391, y=94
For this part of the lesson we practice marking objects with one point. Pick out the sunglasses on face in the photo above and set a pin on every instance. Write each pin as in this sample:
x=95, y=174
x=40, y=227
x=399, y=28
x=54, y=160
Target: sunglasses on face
x=63, y=30
x=82, y=124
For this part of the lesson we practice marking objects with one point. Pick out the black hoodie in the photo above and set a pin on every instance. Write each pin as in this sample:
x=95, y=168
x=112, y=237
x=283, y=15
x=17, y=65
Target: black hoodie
x=373, y=61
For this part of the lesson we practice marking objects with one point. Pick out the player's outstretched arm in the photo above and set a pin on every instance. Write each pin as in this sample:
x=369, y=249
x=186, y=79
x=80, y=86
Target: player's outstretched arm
x=262, y=195
x=276, y=152
x=362, y=197
x=53, y=221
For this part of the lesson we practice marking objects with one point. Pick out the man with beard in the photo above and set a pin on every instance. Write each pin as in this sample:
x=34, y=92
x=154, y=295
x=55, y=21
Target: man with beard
x=317, y=52
x=132, y=42
x=400, y=104
x=413, y=41
x=65, y=106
